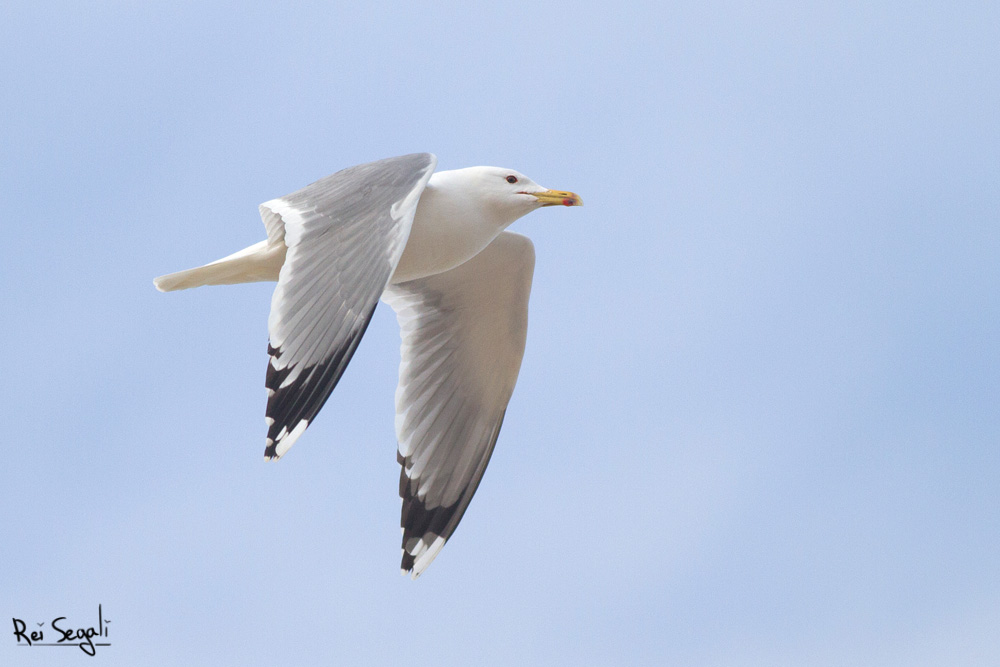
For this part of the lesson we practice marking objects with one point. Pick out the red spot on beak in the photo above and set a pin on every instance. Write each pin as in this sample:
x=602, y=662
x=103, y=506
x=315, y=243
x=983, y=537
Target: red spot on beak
x=567, y=202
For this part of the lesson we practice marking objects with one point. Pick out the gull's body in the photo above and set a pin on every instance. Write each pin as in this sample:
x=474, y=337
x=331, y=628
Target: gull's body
x=432, y=246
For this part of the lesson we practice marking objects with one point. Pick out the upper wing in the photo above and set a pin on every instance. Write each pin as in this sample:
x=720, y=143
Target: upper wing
x=344, y=236
x=463, y=338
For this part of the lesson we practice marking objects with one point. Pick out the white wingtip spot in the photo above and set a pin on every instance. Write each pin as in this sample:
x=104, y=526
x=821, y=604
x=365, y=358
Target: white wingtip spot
x=422, y=561
x=288, y=439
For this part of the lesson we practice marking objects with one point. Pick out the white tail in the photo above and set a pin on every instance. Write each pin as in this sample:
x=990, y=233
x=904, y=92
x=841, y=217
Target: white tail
x=257, y=263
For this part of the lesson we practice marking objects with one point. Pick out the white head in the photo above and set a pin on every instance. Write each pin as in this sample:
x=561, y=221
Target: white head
x=503, y=194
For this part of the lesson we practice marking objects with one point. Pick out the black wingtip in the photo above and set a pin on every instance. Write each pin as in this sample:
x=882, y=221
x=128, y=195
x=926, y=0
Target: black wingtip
x=406, y=565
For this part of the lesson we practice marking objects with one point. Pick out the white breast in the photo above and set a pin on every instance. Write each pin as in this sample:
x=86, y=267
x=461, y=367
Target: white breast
x=449, y=228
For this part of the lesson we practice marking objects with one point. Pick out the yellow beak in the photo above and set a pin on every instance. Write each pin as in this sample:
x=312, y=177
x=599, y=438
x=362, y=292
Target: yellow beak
x=557, y=197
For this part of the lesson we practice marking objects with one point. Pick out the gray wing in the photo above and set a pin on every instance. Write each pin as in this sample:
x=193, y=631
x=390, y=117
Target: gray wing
x=344, y=234
x=463, y=338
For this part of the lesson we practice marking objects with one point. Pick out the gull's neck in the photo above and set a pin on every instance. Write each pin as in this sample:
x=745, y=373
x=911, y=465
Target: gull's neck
x=452, y=224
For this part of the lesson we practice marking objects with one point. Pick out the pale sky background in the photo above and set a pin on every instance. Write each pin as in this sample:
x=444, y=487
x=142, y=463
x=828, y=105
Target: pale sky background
x=757, y=421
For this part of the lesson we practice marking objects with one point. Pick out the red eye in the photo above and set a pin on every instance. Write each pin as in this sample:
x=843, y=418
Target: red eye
x=512, y=179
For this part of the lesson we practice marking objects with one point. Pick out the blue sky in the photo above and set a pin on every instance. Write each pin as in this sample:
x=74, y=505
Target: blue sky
x=756, y=422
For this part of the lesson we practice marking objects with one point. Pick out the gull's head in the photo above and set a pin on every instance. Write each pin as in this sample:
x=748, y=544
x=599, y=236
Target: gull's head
x=506, y=193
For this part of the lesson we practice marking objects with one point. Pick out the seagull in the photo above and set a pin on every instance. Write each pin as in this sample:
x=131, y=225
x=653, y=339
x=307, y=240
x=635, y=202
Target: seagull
x=433, y=246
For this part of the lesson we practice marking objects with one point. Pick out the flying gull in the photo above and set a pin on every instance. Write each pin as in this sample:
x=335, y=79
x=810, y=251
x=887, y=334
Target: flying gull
x=432, y=246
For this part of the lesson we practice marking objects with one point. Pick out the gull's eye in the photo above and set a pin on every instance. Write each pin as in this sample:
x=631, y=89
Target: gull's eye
x=512, y=179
